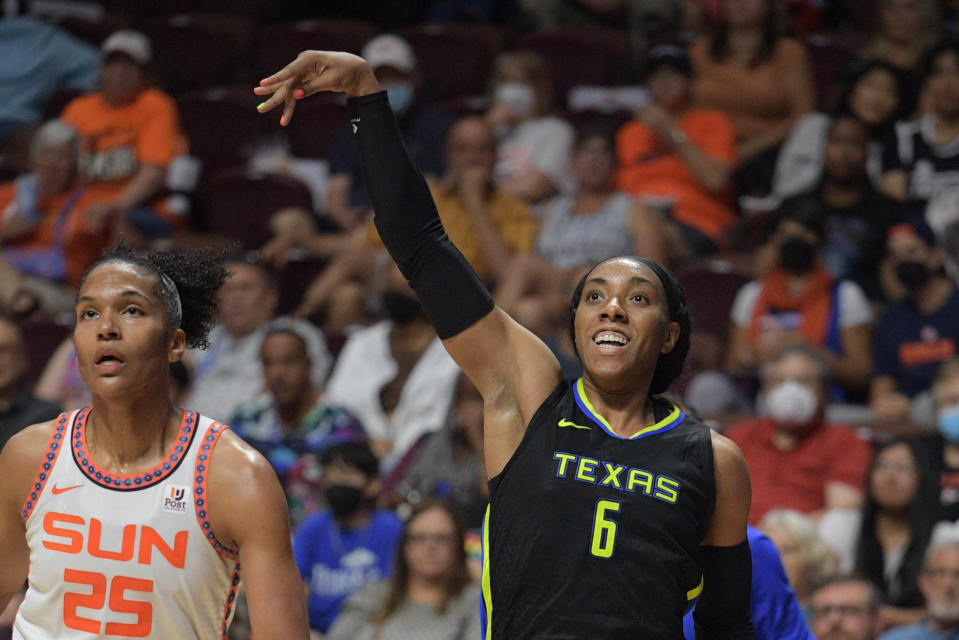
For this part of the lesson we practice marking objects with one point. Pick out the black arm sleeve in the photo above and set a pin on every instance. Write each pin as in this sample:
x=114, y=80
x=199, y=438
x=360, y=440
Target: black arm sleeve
x=406, y=218
x=724, y=611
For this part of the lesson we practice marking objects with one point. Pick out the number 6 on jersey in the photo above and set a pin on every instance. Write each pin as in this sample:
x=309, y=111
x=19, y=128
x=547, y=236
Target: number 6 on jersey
x=604, y=529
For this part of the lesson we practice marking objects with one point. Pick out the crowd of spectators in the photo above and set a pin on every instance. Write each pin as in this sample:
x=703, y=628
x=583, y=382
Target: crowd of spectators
x=801, y=156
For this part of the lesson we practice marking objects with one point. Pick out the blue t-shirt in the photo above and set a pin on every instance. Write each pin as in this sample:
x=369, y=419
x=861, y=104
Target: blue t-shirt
x=910, y=346
x=337, y=562
x=776, y=612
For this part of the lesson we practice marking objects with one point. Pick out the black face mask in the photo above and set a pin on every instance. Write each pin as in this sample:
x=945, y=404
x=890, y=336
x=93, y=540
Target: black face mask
x=398, y=307
x=796, y=255
x=343, y=500
x=911, y=273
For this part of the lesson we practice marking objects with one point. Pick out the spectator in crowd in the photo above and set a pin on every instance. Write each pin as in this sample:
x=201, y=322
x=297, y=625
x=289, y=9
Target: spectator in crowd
x=805, y=557
x=916, y=333
x=18, y=408
x=876, y=95
x=430, y=594
x=229, y=372
x=131, y=134
x=424, y=131
x=533, y=148
x=885, y=540
x=395, y=375
x=939, y=582
x=488, y=225
x=945, y=447
x=776, y=612
x=47, y=242
x=796, y=459
x=856, y=216
x=904, y=31
x=60, y=381
x=350, y=544
x=845, y=607
x=40, y=59
x=761, y=79
x=580, y=229
x=797, y=300
x=924, y=160
x=678, y=158
x=291, y=422
x=450, y=464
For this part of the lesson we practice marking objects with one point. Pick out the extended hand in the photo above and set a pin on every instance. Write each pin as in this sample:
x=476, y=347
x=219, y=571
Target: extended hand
x=312, y=72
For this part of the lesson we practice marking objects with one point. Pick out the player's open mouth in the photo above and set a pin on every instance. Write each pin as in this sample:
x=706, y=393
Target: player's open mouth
x=610, y=340
x=107, y=362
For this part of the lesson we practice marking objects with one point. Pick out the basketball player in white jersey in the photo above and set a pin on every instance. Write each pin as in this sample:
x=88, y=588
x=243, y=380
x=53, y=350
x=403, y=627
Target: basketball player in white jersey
x=132, y=518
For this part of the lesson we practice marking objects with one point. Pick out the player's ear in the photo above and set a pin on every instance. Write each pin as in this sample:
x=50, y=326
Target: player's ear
x=672, y=336
x=177, y=346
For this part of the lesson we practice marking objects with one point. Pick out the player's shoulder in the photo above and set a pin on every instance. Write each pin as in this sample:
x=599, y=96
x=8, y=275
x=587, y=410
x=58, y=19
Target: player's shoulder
x=22, y=456
x=236, y=462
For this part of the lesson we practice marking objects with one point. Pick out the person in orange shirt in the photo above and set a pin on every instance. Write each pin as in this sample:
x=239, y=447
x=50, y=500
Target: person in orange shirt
x=46, y=241
x=131, y=134
x=678, y=159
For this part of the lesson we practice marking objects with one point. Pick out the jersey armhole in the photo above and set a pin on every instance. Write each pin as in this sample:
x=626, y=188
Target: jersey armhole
x=52, y=451
x=201, y=474
x=548, y=404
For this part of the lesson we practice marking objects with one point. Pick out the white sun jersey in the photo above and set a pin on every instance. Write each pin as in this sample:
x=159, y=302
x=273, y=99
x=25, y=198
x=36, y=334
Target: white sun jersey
x=125, y=556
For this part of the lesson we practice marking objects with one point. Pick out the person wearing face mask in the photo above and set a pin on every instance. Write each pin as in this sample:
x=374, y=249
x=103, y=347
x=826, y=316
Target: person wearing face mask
x=351, y=544
x=534, y=148
x=916, y=333
x=797, y=460
x=797, y=300
x=424, y=131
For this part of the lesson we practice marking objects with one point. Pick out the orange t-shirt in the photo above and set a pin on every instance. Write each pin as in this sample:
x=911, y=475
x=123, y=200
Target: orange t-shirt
x=118, y=140
x=81, y=247
x=755, y=99
x=511, y=217
x=648, y=167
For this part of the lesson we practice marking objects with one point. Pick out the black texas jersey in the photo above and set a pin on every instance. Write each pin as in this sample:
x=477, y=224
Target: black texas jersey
x=592, y=535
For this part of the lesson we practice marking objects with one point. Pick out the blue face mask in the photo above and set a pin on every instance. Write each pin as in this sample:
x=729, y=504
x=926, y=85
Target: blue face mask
x=949, y=423
x=400, y=96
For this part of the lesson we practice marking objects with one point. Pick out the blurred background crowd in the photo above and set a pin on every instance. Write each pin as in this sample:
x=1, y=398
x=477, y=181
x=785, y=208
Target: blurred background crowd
x=794, y=162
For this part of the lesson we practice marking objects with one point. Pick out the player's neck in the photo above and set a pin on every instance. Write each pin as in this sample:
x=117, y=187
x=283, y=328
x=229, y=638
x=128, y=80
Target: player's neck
x=128, y=437
x=626, y=411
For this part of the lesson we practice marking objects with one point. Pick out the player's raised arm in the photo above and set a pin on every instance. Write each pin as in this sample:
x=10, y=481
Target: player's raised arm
x=494, y=351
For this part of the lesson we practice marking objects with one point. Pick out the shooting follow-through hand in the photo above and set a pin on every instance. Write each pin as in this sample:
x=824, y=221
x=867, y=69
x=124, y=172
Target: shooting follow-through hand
x=312, y=72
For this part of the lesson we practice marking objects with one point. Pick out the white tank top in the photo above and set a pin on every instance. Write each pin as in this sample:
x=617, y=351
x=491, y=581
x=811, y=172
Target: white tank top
x=125, y=556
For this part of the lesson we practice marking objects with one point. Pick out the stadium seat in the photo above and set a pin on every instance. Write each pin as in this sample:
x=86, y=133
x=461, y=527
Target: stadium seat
x=276, y=45
x=595, y=57
x=188, y=55
x=315, y=126
x=238, y=204
x=43, y=335
x=222, y=125
x=454, y=59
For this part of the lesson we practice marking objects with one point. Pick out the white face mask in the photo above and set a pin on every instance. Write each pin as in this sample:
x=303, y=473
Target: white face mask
x=517, y=97
x=791, y=403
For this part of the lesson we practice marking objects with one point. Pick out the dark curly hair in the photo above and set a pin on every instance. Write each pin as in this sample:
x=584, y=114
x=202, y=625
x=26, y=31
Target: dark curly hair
x=669, y=365
x=186, y=282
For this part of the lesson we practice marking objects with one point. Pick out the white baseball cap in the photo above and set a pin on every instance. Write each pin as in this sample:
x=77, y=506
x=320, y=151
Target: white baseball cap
x=129, y=42
x=389, y=50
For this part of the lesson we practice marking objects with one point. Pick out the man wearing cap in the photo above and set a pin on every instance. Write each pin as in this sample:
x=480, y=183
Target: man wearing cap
x=423, y=128
x=678, y=159
x=130, y=134
x=916, y=333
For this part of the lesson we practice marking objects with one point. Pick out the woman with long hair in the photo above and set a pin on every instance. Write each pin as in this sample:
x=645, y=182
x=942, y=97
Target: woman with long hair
x=760, y=78
x=132, y=517
x=429, y=596
x=885, y=541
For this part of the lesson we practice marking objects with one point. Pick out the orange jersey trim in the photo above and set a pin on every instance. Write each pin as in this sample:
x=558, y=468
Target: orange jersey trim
x=118, y=482
x=199, y=489
x=53, y=449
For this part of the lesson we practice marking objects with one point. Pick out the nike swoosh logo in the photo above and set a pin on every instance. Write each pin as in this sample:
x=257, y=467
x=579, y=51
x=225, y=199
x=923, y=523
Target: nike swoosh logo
x=566, y=423
x=58, y=490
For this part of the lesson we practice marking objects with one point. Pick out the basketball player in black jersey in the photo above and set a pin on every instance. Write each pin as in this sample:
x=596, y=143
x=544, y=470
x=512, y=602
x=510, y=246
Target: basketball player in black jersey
x=611, y=512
